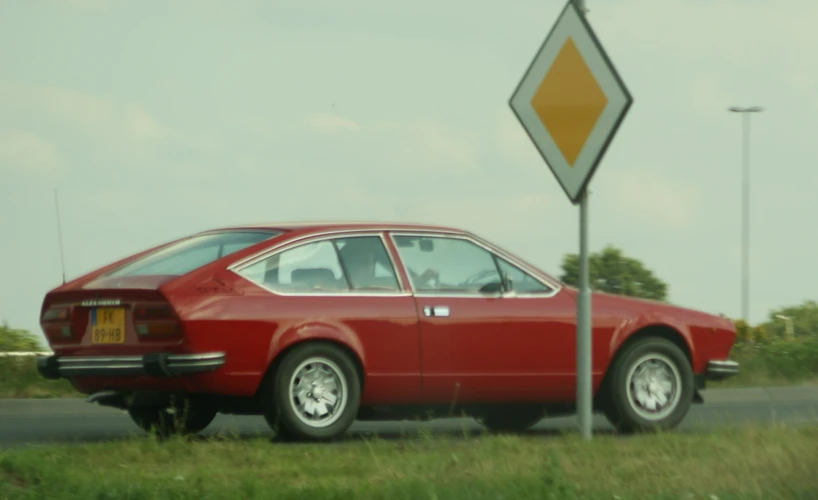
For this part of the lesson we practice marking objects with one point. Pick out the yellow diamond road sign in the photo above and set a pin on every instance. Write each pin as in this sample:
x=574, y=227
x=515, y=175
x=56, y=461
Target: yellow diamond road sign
x=571, y=101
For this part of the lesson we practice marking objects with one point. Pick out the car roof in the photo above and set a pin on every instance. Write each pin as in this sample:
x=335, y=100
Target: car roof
x=345, y=225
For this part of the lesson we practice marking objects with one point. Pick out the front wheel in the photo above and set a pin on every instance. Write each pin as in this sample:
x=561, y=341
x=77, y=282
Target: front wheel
x=651, y=387
x=314, y=394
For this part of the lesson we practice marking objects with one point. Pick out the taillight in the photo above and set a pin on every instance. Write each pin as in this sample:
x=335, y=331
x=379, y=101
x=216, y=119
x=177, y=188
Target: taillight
x=155, y=319
x=56, y=322
x=153, y=311
x=57, y=314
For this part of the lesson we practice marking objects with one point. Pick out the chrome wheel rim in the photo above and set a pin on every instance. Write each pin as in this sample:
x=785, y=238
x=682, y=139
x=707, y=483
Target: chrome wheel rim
x=654, y=386
x=318, y=392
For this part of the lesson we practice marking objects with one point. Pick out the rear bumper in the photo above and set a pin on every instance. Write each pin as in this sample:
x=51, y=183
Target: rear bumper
x=157, y=365
x=721, y=369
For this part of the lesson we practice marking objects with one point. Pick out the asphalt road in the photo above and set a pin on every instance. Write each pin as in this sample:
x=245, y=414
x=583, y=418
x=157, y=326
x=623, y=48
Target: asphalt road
x=25, y=422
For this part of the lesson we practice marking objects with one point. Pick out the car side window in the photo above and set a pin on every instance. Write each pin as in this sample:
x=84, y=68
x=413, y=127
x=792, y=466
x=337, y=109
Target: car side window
x=366, y=264
x=521, y=282
x=439, y=264
x=312, y=267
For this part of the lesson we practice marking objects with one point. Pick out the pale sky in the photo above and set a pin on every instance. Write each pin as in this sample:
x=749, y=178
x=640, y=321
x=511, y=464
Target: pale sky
x=156, y=119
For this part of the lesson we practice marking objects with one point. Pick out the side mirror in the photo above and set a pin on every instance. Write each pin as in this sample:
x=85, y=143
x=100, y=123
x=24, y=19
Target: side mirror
x=492, y=287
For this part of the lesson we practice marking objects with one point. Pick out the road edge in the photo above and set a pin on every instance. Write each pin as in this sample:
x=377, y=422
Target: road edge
x=79, y=406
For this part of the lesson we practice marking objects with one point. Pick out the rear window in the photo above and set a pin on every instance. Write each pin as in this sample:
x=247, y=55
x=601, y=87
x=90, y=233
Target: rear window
x=192, y=253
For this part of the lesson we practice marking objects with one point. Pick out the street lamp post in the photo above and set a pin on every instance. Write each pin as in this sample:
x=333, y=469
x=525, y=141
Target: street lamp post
x=745, y=210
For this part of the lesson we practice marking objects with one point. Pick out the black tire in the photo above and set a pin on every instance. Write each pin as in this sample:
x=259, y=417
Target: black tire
x=280, y=412
x=624, y=411
x=185, y=420
x=512, y=420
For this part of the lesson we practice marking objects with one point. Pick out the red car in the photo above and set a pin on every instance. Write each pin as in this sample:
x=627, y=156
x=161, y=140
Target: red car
x=316, y=325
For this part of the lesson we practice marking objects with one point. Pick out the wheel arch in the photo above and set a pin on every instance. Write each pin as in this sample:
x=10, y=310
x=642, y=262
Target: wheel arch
x=281, y=354
x=656, y=330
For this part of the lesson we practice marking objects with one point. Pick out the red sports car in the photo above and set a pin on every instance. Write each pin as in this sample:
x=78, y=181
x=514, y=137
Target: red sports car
x=316, y=325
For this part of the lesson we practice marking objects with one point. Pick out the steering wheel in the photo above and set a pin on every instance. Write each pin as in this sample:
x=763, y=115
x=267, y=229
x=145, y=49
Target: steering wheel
x=474, y=278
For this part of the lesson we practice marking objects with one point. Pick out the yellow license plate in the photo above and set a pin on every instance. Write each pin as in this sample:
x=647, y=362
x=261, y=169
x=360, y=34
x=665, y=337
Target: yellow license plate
x=108, y=326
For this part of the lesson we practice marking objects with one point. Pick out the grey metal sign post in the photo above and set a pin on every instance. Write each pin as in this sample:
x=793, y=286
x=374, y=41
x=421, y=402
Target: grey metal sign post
x=571, y=102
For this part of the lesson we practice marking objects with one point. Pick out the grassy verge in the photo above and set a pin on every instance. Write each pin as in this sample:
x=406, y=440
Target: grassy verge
x=774, y=363
x=752, y=462
x=19, y=379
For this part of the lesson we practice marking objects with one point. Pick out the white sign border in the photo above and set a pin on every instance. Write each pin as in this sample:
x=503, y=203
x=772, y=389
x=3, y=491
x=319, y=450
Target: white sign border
x=572, y=24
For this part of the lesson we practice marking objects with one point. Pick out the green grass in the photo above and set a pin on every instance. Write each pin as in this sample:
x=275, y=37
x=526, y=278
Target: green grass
x=19, y=379
x=774, y=462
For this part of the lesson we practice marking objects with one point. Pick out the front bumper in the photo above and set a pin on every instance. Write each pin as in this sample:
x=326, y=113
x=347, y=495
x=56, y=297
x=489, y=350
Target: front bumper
x=721, y=369
x=157, y=365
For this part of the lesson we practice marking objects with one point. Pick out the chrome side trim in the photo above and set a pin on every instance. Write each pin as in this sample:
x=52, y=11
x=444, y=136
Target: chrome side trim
x=328, y=293
x=251, y=259
x=406, y=288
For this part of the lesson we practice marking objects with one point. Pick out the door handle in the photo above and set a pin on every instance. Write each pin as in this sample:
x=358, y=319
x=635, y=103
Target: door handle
x=436, y=311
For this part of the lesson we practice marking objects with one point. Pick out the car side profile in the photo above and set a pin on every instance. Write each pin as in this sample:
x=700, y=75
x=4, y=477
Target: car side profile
x=316, y=325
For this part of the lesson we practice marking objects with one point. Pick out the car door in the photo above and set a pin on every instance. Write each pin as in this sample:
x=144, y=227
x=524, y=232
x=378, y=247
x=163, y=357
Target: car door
x=478, y=340
x=320, y=284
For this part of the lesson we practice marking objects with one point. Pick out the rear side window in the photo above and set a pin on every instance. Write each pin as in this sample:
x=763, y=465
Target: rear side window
x=359, y=263
x=192, y=253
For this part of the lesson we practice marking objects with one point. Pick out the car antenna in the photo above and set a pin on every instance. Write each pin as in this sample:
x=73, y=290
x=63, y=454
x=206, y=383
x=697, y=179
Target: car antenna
x=59, y=234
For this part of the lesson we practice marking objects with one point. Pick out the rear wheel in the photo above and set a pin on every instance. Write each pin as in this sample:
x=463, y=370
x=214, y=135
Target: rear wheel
x=651, y=387
x=314, y=394
x=190, y=419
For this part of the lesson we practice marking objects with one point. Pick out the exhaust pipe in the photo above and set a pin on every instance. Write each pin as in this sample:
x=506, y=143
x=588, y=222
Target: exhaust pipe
x=113, y=399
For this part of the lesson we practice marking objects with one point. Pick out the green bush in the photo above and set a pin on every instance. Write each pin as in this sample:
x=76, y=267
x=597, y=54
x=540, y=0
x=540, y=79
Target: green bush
x=742, y=331
x=18, y=374
x=775, y=360
x=19, y=379
x=759, y=334
x=15, y=340
x=804, y=317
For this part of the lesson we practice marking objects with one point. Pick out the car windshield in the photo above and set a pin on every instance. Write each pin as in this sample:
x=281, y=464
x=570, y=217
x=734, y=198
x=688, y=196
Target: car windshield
x=192, y=253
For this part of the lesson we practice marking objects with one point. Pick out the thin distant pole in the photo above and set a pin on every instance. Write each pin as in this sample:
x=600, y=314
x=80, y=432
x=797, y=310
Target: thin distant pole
x=745, y=206
x=745, y=220
x=59, y=234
